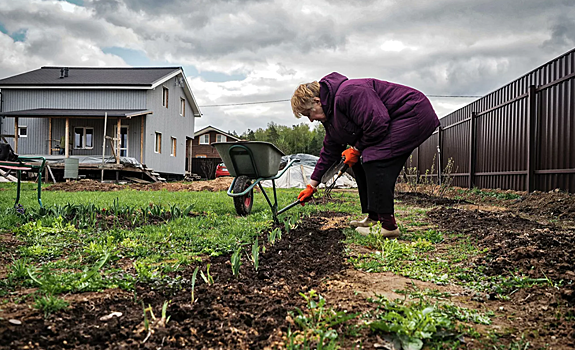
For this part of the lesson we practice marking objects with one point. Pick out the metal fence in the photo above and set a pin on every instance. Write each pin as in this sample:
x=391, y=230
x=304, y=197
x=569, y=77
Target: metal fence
x=519, y=137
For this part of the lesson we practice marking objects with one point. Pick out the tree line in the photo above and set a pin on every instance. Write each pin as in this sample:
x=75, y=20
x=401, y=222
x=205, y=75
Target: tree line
x=290, y=140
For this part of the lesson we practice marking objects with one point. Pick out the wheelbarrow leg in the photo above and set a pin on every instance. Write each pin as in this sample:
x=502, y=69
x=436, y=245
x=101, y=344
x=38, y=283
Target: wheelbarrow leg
x=273, y=206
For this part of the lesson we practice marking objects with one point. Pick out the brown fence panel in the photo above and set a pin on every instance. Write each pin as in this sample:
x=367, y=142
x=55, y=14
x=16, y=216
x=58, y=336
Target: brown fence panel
x=522, y=136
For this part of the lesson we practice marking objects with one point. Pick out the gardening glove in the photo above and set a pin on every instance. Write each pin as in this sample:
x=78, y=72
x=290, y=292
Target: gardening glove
x=351, y=156
x=306, y=194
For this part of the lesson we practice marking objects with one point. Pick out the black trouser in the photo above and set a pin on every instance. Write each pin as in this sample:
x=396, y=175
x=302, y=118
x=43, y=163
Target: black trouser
x=376, y=183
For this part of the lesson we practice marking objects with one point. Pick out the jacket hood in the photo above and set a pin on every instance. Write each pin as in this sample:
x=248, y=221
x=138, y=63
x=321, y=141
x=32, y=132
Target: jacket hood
x=328, y=87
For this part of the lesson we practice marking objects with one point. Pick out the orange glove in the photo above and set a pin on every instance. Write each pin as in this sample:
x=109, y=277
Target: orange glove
x=306, y=194
x=351, y=156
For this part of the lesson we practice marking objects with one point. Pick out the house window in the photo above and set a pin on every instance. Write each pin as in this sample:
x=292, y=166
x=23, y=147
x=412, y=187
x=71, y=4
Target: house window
x=165, y=97
x=83, y=138
x=158, y=143
x=182, y=107
x=201, y=156
x=221, y=138
x=22, y=131
x=205, y=139
x=174, y=143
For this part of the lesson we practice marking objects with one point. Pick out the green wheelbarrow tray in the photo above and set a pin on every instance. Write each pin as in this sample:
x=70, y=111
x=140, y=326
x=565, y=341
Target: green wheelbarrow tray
x=257, y=161
x=23, y=164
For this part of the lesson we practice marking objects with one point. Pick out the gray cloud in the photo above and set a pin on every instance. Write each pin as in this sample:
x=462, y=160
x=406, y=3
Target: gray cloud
x=441, y=47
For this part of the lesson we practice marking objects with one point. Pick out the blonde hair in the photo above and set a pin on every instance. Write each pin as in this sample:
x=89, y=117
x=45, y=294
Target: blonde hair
x=302, y=99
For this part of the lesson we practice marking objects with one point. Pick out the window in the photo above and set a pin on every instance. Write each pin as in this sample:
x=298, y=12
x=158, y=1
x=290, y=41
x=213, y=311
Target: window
x=158, y=143
x=174, y=143
x=182, y=107
x=205, y=139
x=83, y=138
x=201, y=156
x=221, y=138
x=165, y=97
x=22, y=131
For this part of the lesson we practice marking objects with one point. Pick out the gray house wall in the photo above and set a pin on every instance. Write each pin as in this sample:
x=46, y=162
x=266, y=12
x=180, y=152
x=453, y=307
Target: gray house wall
x=169, y=122
x=37, y=140
x=165, y=120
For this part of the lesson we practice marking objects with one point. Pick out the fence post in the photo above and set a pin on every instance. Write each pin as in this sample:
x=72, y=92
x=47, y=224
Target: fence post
x=472, y=148
x=439, y=157
x=531, y=138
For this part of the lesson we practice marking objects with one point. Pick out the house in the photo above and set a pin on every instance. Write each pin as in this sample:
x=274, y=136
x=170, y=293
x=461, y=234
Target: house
x=205, y=157
x=145, y=115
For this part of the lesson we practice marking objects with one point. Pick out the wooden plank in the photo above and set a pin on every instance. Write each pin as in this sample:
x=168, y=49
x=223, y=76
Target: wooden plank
x=142, y=140
x=50, y=136
x=135, y=179
x=14, y=167
x=16, y=135
x=67, y=139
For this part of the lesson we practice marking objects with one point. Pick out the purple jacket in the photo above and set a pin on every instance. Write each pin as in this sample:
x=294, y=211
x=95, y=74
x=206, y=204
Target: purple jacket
x=383, y=120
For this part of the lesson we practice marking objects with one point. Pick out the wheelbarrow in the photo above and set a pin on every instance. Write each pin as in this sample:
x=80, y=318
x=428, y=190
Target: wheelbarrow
x=250, y=163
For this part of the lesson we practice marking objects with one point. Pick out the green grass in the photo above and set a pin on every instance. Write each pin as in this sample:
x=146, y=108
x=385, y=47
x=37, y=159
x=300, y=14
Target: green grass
x=64, y=246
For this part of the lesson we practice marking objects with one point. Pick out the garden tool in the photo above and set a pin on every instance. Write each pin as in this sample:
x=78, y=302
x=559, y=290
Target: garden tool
x=337, y=169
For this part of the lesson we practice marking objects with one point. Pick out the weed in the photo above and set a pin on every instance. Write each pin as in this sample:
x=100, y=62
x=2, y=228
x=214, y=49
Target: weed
x=317, y=325
x=49, y=304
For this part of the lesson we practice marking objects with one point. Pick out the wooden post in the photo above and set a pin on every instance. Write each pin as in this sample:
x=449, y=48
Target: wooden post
x=190, y=157
x=49, y=136
x=472, y=148
x=531, y=138
x=16, y=135
x=119, y=128
x=142, y=139
x=104, y=145
x=67, y=139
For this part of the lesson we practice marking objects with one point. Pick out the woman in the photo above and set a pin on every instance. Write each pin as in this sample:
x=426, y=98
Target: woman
x=382, y=122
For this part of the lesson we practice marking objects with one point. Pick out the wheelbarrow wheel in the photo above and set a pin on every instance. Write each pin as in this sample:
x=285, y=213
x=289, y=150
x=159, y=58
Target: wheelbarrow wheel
x=243, y=203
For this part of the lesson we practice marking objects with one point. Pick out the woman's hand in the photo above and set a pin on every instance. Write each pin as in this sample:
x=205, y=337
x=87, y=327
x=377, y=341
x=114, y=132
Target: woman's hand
x=306, y=194
x=351, y=156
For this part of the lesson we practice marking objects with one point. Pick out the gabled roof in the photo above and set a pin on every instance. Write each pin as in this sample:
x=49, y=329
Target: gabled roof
x=91, y=76
x=145, y=78
x=211, y=128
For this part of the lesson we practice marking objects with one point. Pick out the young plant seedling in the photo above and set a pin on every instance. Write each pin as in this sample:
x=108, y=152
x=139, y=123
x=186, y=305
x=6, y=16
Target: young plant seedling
x=236, y=261
x=194, y=275
x=207, y=277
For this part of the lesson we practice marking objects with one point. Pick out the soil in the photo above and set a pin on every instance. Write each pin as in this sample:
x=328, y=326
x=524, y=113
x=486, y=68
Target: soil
x=219, y=184
x=529, y=235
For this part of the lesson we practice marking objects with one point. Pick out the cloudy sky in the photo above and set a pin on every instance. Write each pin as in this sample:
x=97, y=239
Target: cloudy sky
x=236, y=52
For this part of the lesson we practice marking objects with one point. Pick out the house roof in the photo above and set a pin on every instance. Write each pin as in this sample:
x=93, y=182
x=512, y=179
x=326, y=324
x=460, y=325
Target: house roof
x=48, y=112
x=211, y=128
x=99, y=78
x=90, y=76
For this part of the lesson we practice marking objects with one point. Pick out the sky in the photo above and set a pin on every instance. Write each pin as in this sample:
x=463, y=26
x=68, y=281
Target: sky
x=244, y=58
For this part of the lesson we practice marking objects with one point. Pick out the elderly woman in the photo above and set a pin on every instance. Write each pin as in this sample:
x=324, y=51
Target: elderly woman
x=383, y=123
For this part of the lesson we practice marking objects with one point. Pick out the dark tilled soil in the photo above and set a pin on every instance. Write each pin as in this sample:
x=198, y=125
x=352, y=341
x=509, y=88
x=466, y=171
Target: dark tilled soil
x=425, y=201
x=555, y=204
x=248, y=312
x=514, y=243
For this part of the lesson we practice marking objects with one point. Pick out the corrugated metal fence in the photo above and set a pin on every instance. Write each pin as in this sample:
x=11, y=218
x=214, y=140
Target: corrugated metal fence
x=520, y=137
